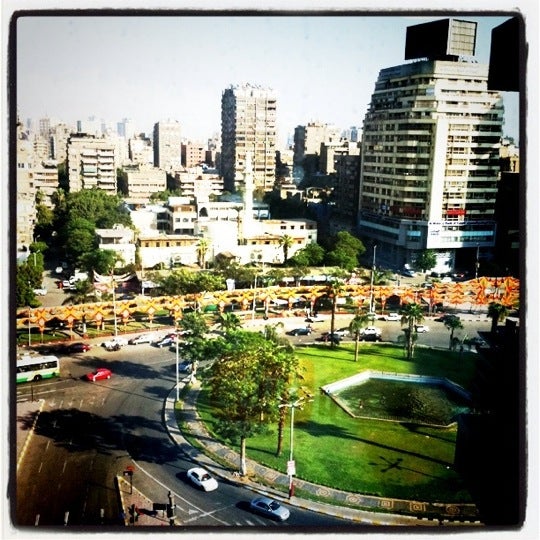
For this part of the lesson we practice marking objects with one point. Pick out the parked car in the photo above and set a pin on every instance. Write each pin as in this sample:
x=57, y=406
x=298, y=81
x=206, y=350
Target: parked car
x=370, y=330
x=99, y=374
x=371, y=337
x=315, y=318
x=421, y=328
x=299, y=332
x=408, y=273
x=269, y=508
x=342, y=332
x=185, y=366
x=478, y=341
x=42, y=291
x=142, y=338
x=77, y=347
x=390, y=317
x=115, y=343
x=326, y=337
x=202, y=479
x=166, y=341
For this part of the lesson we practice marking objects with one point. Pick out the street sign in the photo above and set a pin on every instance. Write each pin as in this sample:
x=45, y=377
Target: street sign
x=291, y=467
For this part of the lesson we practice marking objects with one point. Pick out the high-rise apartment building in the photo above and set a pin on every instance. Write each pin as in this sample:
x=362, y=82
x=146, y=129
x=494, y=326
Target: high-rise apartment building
x=430, y=151
x=91, y=163
x=167, y=145
x=308, y=139
x=248, y=124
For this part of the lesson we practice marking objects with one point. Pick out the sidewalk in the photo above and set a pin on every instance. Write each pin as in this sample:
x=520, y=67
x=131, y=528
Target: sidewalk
x=350, y=506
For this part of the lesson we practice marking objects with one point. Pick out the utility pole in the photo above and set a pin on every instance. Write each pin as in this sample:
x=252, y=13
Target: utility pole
x=291, y=466
x=113, y=284
x=176, y=336
x=371, y=307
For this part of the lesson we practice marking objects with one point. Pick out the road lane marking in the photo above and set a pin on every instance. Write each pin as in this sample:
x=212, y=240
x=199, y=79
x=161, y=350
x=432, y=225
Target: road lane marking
x=176, y=495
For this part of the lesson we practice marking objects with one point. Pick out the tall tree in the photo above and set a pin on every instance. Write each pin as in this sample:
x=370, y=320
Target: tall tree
x=310, y=255
x=202, y=249
x=360, y=320
x=497, y=313
x=426, y=260
x=286, y=243
x=452, y=323
x=346, y=252
x=333, y=290
x=228, y=322
x=411, y=315
x=246, y=384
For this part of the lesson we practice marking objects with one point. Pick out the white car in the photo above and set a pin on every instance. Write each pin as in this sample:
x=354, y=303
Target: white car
x=421, y=328
x=202, y=479
x=114, y=343
x=40, y=292
x=371, y=330
x=142, y=338
x=391, y=317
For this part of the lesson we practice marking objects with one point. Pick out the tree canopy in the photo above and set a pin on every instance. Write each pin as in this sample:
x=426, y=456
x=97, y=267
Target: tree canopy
x=346, y=252
x=247, y=383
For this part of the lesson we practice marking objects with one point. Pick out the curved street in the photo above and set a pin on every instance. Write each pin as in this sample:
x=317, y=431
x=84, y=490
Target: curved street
x=88, y=434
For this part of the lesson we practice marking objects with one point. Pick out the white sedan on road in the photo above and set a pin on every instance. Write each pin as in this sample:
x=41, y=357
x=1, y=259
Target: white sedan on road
x=391, y=317
x=370, y=331
x=114, y=343
x=421, y=328
x=202, y=479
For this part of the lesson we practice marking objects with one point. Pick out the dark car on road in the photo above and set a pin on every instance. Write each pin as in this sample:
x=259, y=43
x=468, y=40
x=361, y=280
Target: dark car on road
x=370, y=337
x=78, y=347
x=300, y=332
x=327, y=337
x=185, y=366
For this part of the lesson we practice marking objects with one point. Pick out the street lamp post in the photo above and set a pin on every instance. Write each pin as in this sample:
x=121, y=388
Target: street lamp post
x=371, y=309
x=253, y=303
x=291, y=468
x=29, y=316
x=114, y=305
x=177, y=355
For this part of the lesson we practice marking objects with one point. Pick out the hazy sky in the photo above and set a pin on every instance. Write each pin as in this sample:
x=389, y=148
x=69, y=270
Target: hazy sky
x=154, y=68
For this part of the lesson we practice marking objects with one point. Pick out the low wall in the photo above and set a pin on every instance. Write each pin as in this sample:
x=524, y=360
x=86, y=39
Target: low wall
x=370, y=374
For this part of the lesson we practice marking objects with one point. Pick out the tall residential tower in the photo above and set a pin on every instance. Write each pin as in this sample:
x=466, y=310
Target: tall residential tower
x=248, y=124
x=430, y=151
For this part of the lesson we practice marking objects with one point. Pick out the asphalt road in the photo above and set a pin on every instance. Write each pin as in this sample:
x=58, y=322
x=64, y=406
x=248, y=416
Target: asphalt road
x=87, y=433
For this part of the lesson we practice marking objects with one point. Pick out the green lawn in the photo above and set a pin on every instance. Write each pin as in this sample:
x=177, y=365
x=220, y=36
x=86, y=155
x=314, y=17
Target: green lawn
x=367, y=456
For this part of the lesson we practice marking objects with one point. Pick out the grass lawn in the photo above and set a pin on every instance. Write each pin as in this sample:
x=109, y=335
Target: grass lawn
x=387, y=459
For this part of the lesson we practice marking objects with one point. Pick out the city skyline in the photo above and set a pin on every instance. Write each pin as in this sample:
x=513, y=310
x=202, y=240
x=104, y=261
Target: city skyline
x=136, y=67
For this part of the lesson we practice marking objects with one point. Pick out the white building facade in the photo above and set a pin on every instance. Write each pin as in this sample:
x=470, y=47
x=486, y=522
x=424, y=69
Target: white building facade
x=430, y=161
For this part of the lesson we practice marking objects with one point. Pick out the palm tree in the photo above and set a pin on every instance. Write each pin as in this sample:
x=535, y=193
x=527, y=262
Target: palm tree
x=84, y=290
x=411, y=315
x=452, y=323
x=271, y=331
x=497, y=313
x=333, y=290
x=202, y=249
x=228, y=322
x=285, y=242
x=359, y=321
